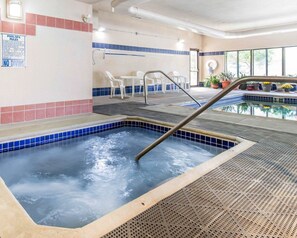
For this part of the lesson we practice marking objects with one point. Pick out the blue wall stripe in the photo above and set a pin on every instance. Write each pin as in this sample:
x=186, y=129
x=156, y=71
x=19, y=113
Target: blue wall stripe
x=139, y=49
x=211, y=53
x=148, y=50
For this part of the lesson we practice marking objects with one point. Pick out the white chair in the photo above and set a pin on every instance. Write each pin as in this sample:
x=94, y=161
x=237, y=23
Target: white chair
x=116, y=83
x=149, y=82
x=183, y=81
x=176, y=77
x=160, y=81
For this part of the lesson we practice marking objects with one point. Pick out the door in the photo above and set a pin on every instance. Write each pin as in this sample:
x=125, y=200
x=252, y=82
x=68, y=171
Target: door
x=194, y=67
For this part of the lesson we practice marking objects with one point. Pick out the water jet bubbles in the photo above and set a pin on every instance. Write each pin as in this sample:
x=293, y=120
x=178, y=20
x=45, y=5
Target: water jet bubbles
x=72, y=183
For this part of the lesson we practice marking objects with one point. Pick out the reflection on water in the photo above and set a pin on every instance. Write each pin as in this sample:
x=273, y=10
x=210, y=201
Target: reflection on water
x=74, y=182
x=263, y=109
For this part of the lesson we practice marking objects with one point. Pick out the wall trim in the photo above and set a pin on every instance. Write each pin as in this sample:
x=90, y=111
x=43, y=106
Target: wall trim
x=138, y=49
x=105, y=91
x=54, y=22
x=32, y=112
x=33, y=20
x=211, y=53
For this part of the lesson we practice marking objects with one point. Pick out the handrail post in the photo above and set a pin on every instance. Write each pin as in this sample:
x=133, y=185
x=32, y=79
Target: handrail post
x=213, y=100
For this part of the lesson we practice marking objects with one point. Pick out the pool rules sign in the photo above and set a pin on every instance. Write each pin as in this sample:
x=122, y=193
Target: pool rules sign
x=13, y=50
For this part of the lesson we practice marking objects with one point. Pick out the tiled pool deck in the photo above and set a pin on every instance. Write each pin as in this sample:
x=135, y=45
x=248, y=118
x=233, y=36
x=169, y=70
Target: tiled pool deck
x=252, y=195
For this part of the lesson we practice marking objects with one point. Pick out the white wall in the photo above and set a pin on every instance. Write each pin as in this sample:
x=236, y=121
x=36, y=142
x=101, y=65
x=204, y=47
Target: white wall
x=59, y=65
x=121, y=30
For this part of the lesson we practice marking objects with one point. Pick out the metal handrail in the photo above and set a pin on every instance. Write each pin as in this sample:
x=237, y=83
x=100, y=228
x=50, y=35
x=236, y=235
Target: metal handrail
x=161, y=72
x=213, y=100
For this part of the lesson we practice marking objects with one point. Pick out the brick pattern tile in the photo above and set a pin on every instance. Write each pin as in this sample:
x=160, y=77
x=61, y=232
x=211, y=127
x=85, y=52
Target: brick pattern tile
x=22, y=113
x=41, y=20
x=33, y=20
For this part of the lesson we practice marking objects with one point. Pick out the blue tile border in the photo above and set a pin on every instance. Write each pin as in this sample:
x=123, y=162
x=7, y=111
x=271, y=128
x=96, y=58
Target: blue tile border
x=60, y=136
x=263, y=98
x=290, y=100
x=211, y=53
x=98, y=45
x=203, y=139
x=138, y=49
x=258, y=98
x=98, y=92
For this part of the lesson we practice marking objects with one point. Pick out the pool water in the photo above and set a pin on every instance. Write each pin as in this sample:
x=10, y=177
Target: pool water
x=74, y=182
x=262, y=109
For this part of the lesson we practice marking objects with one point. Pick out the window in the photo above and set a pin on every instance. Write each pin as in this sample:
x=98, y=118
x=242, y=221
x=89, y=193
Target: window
x=291, y=60
x=274, y=59
x=232, y=62
x=244, y=62
x=260, y=62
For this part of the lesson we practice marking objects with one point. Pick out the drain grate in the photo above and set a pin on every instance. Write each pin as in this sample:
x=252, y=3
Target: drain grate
x=254, y=195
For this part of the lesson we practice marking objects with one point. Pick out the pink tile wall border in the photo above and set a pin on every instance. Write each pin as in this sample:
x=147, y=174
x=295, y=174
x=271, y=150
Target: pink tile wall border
x=23, y=113
x=41, y=20
x=33, y=20
x=18, y=28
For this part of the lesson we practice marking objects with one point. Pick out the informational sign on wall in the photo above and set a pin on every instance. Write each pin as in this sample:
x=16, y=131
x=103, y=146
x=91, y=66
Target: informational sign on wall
x=13, y=50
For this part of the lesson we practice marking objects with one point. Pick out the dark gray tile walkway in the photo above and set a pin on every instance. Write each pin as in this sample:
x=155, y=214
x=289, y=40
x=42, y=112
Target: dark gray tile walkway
x=252, y=195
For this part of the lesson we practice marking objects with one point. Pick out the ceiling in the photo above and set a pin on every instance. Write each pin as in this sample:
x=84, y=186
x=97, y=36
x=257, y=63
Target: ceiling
x=231, y=16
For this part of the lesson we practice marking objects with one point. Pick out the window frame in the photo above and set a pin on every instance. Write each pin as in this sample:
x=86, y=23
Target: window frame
x=284, y=57
x=251, y=62
x=252, y=66
x=226, y=61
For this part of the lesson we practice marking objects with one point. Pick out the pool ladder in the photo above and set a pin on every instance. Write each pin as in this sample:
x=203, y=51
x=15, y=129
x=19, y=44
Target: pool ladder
x=213, y=100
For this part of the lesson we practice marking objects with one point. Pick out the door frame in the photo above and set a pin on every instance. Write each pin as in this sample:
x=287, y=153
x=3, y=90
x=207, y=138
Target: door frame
x=197, y=51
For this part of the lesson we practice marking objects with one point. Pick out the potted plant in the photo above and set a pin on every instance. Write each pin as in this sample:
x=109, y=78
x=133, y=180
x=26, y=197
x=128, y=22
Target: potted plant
x=226, y=78
x=214, y=81
x=207, y=83
x=287, y=87
x=266, y=86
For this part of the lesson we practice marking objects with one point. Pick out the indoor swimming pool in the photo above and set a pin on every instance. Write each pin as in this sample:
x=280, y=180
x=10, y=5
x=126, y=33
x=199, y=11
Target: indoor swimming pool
x=255, y=105
x=73, y=182
x=262, y=109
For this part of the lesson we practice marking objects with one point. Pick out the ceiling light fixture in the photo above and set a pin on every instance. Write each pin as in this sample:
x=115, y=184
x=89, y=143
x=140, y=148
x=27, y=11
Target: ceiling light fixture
x=14, y=9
